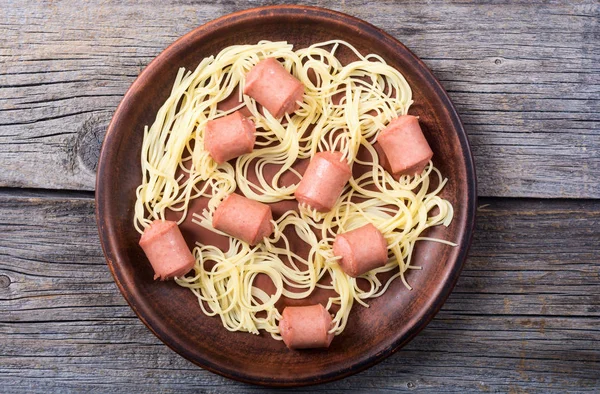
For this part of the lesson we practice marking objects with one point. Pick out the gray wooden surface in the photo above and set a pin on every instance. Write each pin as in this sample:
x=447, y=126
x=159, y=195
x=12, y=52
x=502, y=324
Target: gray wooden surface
x=525, y=315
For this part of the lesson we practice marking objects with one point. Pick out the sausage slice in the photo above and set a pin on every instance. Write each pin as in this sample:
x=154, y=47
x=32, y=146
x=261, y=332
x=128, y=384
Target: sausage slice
x=243, y=218
x=405, y=147
x=229, y=137
x=361, y=250
x=306, y=327
x=166, y=250
x=324, y=181
x=269, y=83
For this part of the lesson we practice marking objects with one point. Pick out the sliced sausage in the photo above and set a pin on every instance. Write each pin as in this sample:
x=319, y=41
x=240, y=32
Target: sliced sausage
x=383, y=161
x=166, y=250
x=305, y=327
x=405, y=146
x=361, y=250
x=324, y=181
x=229, y=137
x=269, y=83
x=243, y=218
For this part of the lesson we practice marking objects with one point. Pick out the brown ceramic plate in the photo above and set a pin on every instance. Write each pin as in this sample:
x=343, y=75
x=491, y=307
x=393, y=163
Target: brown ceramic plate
x=172, y=312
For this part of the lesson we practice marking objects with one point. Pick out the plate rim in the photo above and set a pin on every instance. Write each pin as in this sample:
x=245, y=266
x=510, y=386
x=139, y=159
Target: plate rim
x=437, y=300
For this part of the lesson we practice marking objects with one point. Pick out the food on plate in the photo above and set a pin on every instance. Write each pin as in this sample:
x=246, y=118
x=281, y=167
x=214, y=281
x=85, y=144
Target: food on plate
x=405, y=147
x=324, y=181
x=360, y=250
x=273, y=87
x=245, y=219
x=166, y=250
x=309, y=208
x=306, y=327
x=229, y=136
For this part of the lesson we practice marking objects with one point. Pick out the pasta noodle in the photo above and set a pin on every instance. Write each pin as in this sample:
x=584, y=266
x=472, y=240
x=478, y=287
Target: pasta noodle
x=344, y=108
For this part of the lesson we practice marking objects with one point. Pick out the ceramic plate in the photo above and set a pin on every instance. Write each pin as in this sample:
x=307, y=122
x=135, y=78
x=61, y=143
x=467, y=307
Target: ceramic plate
x=172, y=312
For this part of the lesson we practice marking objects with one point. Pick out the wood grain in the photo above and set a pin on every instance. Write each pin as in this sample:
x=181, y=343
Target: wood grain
x=524, y=317
x=524, y=77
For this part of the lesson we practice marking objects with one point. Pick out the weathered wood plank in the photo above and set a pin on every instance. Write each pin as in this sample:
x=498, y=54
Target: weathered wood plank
x=525, y=77
x=524, y=317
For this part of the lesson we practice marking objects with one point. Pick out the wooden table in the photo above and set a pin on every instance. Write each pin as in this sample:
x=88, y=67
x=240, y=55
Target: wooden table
x=525, y=315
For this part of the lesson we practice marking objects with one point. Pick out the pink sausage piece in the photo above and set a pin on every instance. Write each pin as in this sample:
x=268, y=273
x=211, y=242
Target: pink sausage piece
x=243, y=218
x=269, y=83
x=229, y=137
x=324, y=181
x=383, y=161
x=166, y=250
x=405, y=146
x=306, y=327
x=361, y=250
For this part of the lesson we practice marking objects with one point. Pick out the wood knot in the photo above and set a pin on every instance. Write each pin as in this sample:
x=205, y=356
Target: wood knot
x=89, y=142
x=4, y=281
x=411, y=385
x=498, y=61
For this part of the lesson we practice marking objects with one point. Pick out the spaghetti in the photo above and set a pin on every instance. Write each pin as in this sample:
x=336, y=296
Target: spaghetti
x=344, y=108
